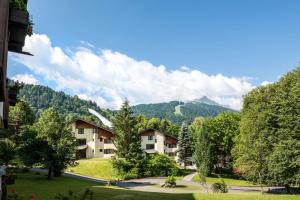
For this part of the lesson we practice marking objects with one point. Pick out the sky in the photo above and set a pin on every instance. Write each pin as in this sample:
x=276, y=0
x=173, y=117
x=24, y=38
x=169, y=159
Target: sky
x=159, y=50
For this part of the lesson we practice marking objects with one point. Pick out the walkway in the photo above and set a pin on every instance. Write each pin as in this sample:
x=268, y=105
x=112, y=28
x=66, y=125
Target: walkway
x=152, y=184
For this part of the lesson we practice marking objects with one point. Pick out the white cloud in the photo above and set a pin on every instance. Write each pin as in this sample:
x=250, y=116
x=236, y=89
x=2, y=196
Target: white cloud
x=108, y=77
x=25, y=78
x=264, y=83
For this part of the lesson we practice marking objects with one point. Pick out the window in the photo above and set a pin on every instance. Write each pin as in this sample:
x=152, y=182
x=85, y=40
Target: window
x=155, y=140
x=81, y=142
x=150, y=137
x=94, y=130
x=101, y=150
x=101, y=139
x=108, y=141
x=81, y=131
x=172, y=145
x=149, y=146
x=108, y=151
x=172, y=154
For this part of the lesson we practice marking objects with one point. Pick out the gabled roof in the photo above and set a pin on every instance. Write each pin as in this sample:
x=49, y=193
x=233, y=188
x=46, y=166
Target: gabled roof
x=91, y=123
x=152, y=129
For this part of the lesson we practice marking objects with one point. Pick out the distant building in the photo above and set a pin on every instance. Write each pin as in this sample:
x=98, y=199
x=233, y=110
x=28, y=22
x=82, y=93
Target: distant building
x=154, y=141
x=97, y=142
x=94, y=141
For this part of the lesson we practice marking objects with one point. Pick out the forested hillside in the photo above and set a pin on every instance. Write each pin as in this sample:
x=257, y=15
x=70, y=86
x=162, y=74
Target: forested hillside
x=42, y=97
x=178, y=111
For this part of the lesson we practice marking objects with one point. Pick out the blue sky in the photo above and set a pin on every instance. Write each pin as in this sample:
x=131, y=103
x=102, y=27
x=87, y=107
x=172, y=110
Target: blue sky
x=237, y=38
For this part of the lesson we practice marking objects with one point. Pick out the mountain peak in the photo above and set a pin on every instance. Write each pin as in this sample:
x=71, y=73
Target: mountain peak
x=205, y=100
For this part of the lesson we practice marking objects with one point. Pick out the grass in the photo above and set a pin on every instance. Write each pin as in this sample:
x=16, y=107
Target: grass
x=44, y=189
x=229, y=180
x=94, y=167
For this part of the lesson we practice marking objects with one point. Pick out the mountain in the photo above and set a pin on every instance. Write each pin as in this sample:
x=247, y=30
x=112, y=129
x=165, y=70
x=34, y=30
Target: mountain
x=178, y=111
x=206, y=100
x=42, y=97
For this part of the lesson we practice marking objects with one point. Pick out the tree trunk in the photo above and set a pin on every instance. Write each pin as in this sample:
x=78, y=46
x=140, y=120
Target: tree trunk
x=260, y=183
x=49, y=173
x=288, y=188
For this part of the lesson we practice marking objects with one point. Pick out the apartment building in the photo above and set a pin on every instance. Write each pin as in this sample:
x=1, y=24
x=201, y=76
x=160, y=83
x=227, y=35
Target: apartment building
x=97, y=142
x=154, y=141
x=94, y=141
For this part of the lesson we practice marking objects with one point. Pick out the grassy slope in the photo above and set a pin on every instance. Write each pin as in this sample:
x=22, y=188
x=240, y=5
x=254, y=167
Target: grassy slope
x=95, y=167
x=44, y=189
x=228, y=180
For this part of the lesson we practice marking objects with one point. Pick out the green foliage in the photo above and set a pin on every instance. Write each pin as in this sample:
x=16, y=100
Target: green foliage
x=170, y=181
x=48, y=142
x=69, y=107
x=195, y=129
x=127, y=139
x=161, y=165
x=221, y=131
x=268, y=146
x=202, y=156
x=20, y=115
x=18, y=4
x=184, y=145
x=188, y=110
x=7, y=151
x=86, y=195
x=219, y=187
x=164, y=125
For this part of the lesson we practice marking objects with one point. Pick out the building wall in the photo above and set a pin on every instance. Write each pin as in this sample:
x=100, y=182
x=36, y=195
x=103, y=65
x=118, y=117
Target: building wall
x=94, y=139
x=96, y=146
x=88, y=135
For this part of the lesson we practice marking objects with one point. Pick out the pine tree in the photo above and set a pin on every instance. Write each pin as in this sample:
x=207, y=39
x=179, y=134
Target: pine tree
x=126, y=138
x=184, y=145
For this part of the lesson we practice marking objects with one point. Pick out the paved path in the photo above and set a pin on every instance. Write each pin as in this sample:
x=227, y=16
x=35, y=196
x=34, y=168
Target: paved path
x=189, y=177
x=152, y=184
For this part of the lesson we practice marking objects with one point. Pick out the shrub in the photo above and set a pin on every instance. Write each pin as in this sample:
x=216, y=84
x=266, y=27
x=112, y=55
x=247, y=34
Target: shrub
x=219, y=187
x=122, y=166
x=161, y=165
x=170, y=182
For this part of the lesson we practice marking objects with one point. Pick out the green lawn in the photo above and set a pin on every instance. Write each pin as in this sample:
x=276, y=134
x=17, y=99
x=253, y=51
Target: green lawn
x=44, y=189
x=95, y=167
x=230, y=181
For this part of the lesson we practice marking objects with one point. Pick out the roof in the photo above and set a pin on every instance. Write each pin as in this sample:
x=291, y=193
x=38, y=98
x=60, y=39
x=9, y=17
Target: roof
x=91, y=123
x=152, y=129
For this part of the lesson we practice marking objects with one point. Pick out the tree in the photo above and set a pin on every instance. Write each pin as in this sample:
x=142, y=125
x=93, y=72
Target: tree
x=60, y=143
x=126, y=138
x=154, y=123
x=195, y=129
x=221, y=131
x=19, y=115
x=7, y=151
x=160, y=165
x=268, y=146
x=252, y=145
x=202, y=155
x=184, y=145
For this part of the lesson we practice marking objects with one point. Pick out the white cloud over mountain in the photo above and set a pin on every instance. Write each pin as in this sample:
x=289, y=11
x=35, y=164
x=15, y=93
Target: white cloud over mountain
x=25, y=78
x=108, y=77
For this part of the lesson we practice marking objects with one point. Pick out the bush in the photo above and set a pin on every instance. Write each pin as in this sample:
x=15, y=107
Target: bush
x=161, y=165
x=219, y=187
x=170, y=182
